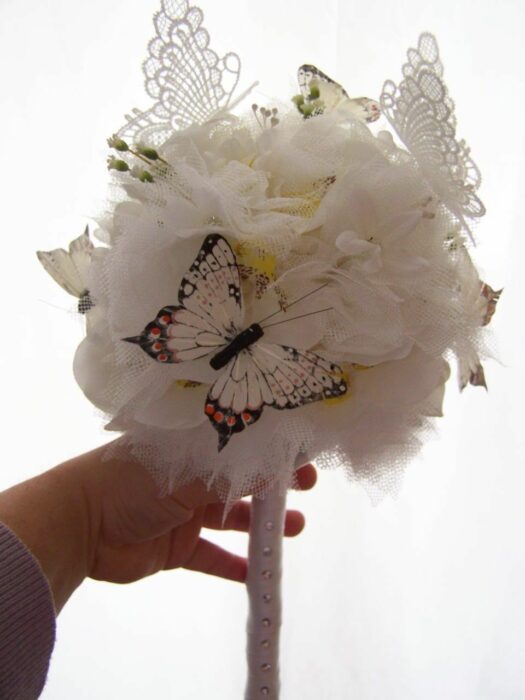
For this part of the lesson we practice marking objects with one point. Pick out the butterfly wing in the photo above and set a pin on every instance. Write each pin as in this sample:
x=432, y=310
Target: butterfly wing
x=363, y=108
x=69, y=268
x=296, y=377
x=209, y=314
x=212, y=288
x=236, y=399
x=268, y=375
x=492, y=297
x=332, y=95
x=309, y=75
x=422, y=113
x=187, y=80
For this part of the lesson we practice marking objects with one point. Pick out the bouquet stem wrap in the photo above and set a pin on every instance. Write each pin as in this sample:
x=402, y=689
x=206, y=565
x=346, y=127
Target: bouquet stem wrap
x=264, y=594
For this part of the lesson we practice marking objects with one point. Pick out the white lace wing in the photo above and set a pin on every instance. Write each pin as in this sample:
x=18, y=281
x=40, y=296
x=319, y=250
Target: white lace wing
x=69, y=268
x=187, y=80
x=422, y=113
x=266, y=374
x=209, y=314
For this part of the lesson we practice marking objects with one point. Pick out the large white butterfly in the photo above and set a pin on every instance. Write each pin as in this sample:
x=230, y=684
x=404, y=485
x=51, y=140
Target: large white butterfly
x=69, y=268
x=330, y=95
x=422, y=113
x=251, y=373
x=187, y=80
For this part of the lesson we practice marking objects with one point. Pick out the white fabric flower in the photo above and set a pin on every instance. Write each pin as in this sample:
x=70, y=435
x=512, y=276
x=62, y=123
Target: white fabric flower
x=366, y=255
x=319, y=204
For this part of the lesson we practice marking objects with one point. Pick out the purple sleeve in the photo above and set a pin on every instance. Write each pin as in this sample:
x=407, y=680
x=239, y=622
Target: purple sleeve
x=27, y=621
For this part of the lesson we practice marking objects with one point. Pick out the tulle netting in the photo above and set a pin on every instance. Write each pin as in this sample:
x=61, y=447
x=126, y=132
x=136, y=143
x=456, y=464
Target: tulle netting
x=321, y=201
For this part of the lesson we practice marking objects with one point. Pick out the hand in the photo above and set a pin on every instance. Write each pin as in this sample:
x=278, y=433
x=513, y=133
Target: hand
x=136, y=534
x=103, y=519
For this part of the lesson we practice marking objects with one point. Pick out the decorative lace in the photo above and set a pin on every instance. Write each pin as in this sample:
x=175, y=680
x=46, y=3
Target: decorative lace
x=187, y=80
x=422, y=113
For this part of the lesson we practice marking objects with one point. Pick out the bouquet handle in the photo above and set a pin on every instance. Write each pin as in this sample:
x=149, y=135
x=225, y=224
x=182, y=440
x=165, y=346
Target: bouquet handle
x=264, y=594
x=263, y=585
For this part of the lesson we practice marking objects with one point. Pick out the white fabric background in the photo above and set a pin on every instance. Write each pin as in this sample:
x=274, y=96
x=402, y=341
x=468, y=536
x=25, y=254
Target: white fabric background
x=418, y=598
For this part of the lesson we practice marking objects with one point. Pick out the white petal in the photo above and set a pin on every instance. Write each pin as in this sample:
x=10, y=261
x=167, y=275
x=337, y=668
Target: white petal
x=179, y=408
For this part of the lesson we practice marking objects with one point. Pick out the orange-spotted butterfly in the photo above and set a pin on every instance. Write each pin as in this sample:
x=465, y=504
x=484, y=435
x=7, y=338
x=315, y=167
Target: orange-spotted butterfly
x=251, y=373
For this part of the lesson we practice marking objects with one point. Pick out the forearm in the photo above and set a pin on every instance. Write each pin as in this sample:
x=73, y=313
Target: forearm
x=50, y=514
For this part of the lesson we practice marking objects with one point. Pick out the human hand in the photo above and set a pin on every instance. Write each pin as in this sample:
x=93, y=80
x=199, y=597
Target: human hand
x=103, y=519
x=136, y=534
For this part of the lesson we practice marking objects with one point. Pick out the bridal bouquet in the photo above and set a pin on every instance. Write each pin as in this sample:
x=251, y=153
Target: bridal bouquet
x=278, y=281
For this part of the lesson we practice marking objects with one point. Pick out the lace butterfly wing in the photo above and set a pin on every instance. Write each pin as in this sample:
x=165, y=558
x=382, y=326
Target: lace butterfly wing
x=422, y=113
x=333, y=95
x=209, y=314
x=187, y=80
x=266, y=374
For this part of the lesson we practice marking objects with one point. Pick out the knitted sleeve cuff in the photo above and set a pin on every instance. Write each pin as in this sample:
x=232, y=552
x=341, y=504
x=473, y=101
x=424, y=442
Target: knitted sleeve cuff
x=27, y=621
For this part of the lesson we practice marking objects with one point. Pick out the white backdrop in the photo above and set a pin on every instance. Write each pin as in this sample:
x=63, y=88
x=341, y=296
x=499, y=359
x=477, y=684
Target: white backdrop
x=418, y=598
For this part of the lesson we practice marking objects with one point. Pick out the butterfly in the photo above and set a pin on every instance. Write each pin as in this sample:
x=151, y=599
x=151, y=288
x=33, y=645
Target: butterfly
x=320, y=94
x=208, y=323
x=492, y=297
x=422, y=113
x=187, y=80
x=69, y=268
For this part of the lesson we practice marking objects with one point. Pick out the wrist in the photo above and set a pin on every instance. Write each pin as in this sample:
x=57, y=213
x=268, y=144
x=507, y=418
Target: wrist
x=51, y=514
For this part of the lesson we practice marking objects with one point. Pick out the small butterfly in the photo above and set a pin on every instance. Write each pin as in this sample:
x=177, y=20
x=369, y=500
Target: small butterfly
x=69, y=268
x=252, y=373
x=470, y=368
x=319, y=93
x=492, y=296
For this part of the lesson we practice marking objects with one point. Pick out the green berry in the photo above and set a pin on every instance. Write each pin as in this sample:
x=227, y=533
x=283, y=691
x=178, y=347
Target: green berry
x=145, y=176
x=116, y=164
x=307, y=110
x=147, y=152
x=118, y=144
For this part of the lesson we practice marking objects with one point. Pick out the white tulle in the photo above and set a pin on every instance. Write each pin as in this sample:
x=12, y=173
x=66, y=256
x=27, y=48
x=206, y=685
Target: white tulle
x=317, y=204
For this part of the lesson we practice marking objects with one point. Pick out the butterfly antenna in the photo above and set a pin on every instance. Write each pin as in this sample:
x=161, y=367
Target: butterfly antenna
x=295, y=301
x=56, y=306
x=286, y=320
